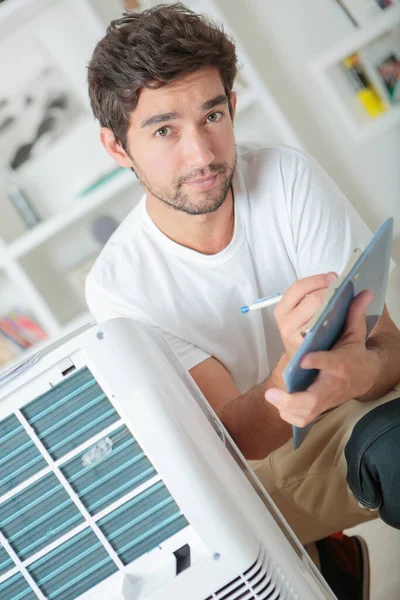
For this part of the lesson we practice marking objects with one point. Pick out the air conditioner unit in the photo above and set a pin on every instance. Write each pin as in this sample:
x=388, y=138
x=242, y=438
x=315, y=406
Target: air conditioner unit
x=118, y=482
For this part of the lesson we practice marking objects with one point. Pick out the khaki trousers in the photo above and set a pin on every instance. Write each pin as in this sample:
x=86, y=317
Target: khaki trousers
x=309, y=484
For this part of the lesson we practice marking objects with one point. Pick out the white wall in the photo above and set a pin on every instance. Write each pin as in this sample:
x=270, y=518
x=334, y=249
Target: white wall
x=108, y=9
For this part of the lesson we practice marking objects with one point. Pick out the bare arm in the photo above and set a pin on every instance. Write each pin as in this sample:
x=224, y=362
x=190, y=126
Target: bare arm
x=254, y=424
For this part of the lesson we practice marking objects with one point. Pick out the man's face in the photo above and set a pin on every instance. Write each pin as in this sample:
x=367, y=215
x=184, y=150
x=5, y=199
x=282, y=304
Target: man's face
x=181, y=142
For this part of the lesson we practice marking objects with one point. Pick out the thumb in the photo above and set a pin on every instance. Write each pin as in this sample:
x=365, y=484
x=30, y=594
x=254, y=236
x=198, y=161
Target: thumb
x=356, y=319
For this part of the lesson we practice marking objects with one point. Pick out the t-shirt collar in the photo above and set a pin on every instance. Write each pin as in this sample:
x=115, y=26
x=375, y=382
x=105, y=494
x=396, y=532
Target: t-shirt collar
x=239, y=199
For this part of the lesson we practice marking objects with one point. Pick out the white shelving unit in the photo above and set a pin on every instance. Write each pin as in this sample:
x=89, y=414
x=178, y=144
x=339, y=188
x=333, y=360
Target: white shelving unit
x=33, y=277
x=34, y=263
x=70, y=215
x=327, y=72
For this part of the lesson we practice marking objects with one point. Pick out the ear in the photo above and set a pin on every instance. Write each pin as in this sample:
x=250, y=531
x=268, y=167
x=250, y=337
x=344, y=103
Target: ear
x=114, y=148
x=233, y=103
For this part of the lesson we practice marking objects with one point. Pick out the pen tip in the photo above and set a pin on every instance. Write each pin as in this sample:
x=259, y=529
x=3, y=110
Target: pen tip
x=245, y=309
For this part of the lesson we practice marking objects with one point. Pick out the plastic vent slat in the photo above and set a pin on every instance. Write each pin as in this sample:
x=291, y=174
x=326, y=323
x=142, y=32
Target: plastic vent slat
x=19, y=457
x=247, y=595
x=70, y=413
x=256, y=575
x=264, y=584
x=89, y=403
x=249, y=571
x=261, y=578
x=232, y=590
x=241, y=593
x=5, y=561
x=16, y=588
x=269, y=593
x=121, y=471
x=258, y=583
x=229, y=585
x=37, y=516
x=142, y=523
x=73, y=567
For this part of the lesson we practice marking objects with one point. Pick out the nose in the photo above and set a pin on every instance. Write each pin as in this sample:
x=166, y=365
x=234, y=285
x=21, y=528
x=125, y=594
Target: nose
x=196, y=149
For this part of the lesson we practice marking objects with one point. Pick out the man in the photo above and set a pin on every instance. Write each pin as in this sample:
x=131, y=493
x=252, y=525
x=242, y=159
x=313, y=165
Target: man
x=218, y=228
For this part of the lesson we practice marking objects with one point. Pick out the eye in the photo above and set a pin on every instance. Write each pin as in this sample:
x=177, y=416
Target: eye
x=163, y=132
x=214, y=117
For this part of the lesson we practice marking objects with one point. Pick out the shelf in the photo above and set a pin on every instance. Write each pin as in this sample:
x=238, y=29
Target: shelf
x=359, y=39
x=8, y=293
x=11, y=300
x=81, y=320
x=77, y=209
x=329, y=75
x=378, y=126
x=58, y=266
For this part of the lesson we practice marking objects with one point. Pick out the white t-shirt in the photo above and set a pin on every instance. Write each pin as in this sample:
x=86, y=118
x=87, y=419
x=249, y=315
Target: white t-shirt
x=291, y=221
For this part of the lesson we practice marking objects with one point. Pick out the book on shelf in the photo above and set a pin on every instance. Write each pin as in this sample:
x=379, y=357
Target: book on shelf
x=362, y=86
x=18, y=331
x=384, y=3
x=23, y=205
x=382, y=59
x=389, y=70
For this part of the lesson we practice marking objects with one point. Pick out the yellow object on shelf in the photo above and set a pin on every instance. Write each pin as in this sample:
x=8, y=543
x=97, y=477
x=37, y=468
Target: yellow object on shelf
x=371, y=102
x=362, y=86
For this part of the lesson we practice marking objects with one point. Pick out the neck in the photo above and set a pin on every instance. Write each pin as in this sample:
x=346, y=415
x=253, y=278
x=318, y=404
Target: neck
x=207, y=234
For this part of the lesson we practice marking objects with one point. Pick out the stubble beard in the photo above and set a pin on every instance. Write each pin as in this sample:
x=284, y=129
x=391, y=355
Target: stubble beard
x=210, y=201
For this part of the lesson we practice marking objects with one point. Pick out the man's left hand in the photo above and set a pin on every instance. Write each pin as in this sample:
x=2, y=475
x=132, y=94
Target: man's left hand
x=347, y=371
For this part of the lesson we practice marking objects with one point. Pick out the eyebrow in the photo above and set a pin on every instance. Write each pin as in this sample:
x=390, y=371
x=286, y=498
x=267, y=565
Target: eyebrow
x=221, y=99
x=163, y=117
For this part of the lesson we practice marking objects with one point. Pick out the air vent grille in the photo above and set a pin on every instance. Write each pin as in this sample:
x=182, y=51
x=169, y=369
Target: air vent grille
x=65, y=417
x=19, y=457
x=79, y=499
x=262, y=581
x=17, y=587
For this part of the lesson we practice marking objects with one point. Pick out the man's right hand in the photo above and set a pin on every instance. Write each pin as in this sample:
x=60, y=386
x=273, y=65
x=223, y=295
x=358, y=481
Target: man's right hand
x=298, y=305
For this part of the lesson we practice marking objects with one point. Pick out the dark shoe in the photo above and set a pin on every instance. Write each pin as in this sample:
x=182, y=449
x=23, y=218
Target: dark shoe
x=345, y=566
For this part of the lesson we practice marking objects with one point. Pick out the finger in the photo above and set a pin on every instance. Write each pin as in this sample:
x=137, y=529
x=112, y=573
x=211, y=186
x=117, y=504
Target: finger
x=298, y=290
x=277, y=397
x=327, y=361
x=297, y=421
x=300, y=403
x=304, y=311
x=356, y=325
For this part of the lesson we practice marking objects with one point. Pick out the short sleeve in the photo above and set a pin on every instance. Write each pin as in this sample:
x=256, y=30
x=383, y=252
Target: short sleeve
x=104, y=305
x=326, y=228
x=189, y=354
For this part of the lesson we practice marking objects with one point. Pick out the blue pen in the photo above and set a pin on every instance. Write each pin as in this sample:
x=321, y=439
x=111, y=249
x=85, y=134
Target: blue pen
x=261, y=303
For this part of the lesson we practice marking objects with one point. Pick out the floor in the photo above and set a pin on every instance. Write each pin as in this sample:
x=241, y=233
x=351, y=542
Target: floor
x=384, y=548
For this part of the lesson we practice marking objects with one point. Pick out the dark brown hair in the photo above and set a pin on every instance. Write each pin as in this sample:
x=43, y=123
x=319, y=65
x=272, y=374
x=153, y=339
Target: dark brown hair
x=151, y=49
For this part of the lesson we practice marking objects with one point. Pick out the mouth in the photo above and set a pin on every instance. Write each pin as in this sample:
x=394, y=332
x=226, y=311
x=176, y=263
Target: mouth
x=205, y=183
